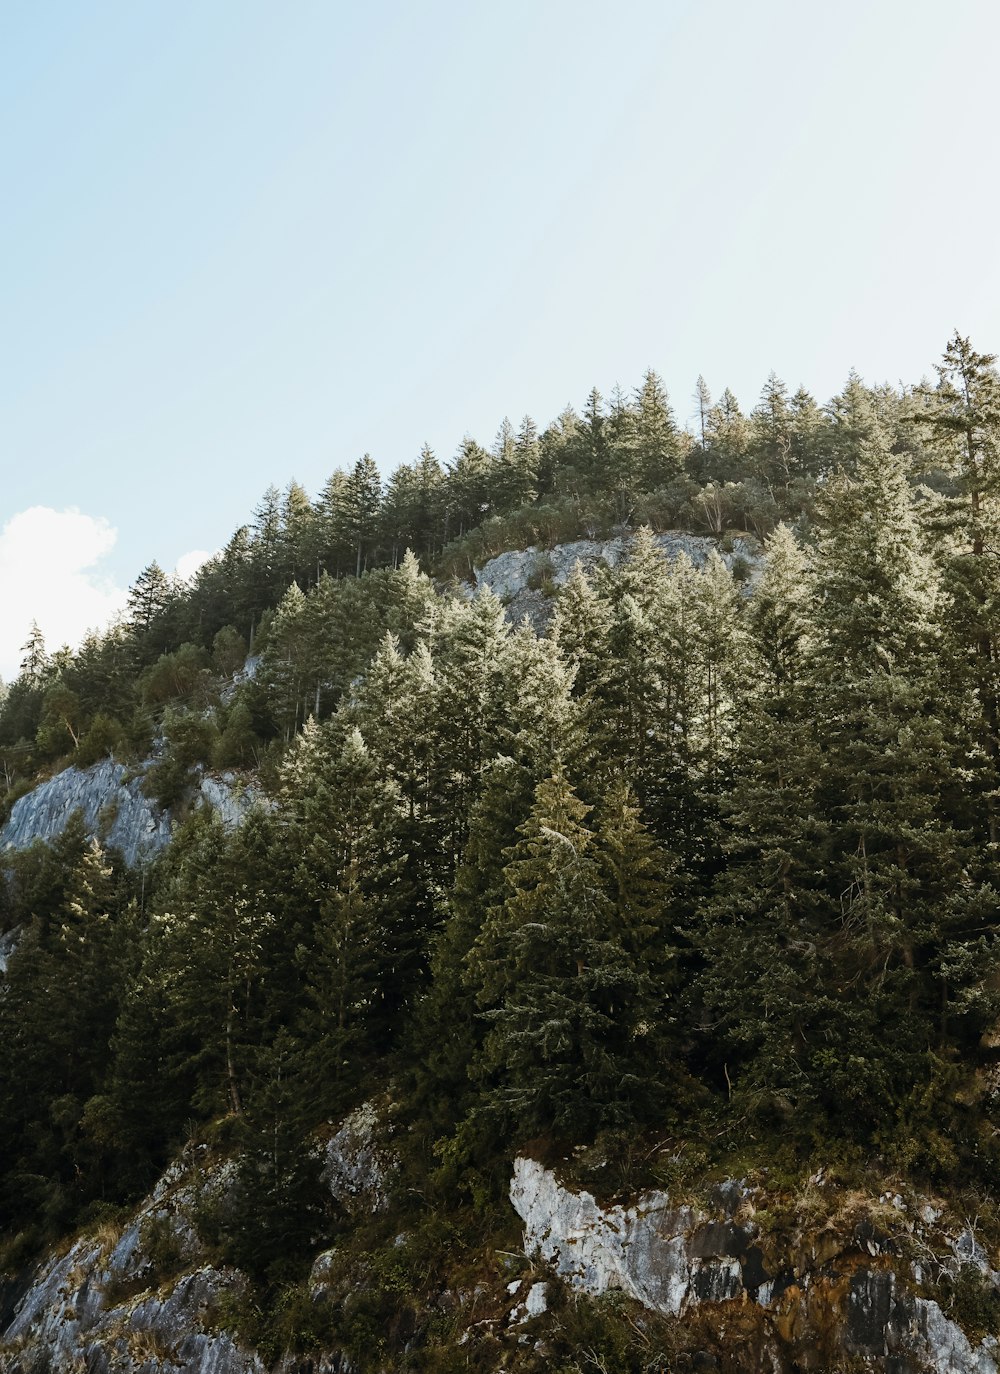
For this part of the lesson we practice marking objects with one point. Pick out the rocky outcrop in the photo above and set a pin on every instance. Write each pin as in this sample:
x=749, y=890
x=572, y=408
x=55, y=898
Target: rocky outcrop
x=8, y=944
x=248, y=673
x=146, y=1298
x=105, y=1306
x=850, y=1295
x=521, y=578
x=517, y=575
x=357, y=1163
x=115, y=809
x=858, y=1286
x=111, y=801
x=228, y=800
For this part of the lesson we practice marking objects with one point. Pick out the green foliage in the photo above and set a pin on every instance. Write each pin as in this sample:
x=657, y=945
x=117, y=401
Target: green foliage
x=709, y=854
x=229, y=651
x=191, y=740
x=62, y=990
x=574, y=1009
x=104, y=738
x=179, y=676
x=971, y=1300
x=238, y=744
x=160, y=1244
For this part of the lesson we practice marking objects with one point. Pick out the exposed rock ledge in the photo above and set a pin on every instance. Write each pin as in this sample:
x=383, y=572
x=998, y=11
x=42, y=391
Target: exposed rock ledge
x=514, y=577
x=78, y=1313
x=104, y=1307
x=115, y=809
x=856, y=1289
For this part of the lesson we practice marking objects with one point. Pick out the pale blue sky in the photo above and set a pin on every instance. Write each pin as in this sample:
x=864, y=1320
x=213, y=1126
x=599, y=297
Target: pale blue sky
x=247, y=241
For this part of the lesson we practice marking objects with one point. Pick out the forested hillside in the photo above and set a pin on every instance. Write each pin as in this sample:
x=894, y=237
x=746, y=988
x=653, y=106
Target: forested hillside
x=702, y=877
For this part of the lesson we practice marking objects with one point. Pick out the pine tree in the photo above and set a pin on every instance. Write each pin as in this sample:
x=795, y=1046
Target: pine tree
x=466, y=642
x=35, y=666
x=771, y=434
x=206, y=965
x=448, y=1031
x=57, y=1012
x=538, y=720
x=361, y=502
x=358, y=951
x=962, y=416
x=430, y=515
x=729, y=436
x=515, y=462
x=592, y=441
x=290, y=666
x=265, y=551
x=298, y=540
x=558, y=456
x=148, y=599
x=527, y=453
x=567, y=1007
x=337, y=551
x=659, y=445
x=703, y=403
x=410, y=599
x=777, y=614
x=580, y=628
x=851, y=891
x=470, y=486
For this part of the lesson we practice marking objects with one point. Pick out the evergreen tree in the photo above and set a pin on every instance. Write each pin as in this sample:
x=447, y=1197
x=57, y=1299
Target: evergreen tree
x=299, y=537
x=338, y=552
x=659, y=445
x=771, y=439
x=466, y=642
x=962, y=415
x=853, y=891
x=729, y=437
x=362, y=500
x=35, y=665
x=527, y=454
x=265, y=552
x=515, y=463
x=703, y=403
x=357, y=949
x=429, y=515
x=567, y=1007
x=57, y=1012
x=471, y=486
x=148, y=598
x=580, y=627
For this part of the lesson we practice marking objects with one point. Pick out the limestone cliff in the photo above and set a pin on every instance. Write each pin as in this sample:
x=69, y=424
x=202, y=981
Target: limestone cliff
x=849, y=1287
x=856, y=1281
x=522, y=577
x=114, y=807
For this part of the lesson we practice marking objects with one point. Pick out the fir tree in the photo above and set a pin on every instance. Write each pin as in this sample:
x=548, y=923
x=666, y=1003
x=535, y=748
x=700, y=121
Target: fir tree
x=567, y=1007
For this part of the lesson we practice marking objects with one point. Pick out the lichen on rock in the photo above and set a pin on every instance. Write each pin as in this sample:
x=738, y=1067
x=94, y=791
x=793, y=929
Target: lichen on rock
x=852, y=1298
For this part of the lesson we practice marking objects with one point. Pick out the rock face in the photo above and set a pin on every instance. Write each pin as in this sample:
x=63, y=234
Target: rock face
x=114, y=807
x=357, y=1166
x=840, y=1294
x=229, y=804
x=842, y=1298
x=99, y=1307
x=517, y=577
x=145, y=1299
x=8, y=944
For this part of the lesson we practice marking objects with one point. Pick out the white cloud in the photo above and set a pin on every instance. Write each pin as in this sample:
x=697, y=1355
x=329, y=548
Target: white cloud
x=189, y=563
x=48, y=573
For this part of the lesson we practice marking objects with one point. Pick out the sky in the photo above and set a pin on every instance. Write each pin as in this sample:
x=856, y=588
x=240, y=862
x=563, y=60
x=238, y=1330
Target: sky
x=243, y=242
